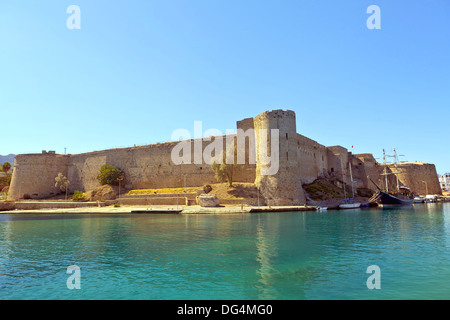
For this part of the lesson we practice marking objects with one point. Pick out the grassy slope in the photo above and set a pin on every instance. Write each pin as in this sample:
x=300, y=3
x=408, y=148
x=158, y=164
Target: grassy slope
x=221, y=190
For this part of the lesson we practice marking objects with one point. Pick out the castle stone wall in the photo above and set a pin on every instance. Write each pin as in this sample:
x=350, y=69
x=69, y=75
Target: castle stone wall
x=337, y=162
x=34, y=175
x=411, y=175
x=284, y=187
x=301, y=161
x=148, y=167
x=421, y=178
x=312, y=159
x=245, y=124
x=372, y=171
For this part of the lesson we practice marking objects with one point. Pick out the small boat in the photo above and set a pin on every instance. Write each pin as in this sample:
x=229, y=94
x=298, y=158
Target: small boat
x=349, y=202
x=322, y=208
x=350, y=205
x=419, y=199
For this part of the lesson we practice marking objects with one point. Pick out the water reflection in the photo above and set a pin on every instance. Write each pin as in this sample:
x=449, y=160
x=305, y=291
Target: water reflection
x=297, y=255
x=266, y=247
x=6, y=245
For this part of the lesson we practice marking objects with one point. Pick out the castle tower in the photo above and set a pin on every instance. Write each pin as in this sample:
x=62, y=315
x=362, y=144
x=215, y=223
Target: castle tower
x=282, y=187
x=34, y=175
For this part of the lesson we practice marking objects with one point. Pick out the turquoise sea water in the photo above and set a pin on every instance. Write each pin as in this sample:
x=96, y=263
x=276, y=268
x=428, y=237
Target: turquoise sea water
x=292, y=255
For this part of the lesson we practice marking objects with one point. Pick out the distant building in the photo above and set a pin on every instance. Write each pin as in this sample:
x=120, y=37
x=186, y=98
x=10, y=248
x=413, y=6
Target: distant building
x=444, y=181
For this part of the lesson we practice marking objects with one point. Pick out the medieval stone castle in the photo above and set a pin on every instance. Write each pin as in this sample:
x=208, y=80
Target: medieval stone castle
x=301, y=161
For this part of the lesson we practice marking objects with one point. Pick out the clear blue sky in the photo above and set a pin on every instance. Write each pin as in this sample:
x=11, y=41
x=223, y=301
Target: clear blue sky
x=137, y=70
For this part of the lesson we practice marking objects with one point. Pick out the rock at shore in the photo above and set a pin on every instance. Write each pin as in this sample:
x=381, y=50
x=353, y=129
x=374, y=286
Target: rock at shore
x=208, y=200
x=102, y=193
x=207, y=188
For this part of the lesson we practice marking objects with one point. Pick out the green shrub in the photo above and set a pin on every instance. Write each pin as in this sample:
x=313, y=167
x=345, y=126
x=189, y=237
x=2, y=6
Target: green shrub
x=78, y=196
x=6, y=166
x=110, y=175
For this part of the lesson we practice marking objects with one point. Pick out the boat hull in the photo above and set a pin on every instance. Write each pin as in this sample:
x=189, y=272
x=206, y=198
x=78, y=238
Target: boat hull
x=349, y=206
x=388, y=200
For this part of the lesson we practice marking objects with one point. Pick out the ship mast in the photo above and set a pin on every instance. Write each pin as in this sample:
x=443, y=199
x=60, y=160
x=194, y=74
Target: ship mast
x=351, y=177
x=396, y=171
x=343, y=178
x=395, y=156
x=385, y=172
